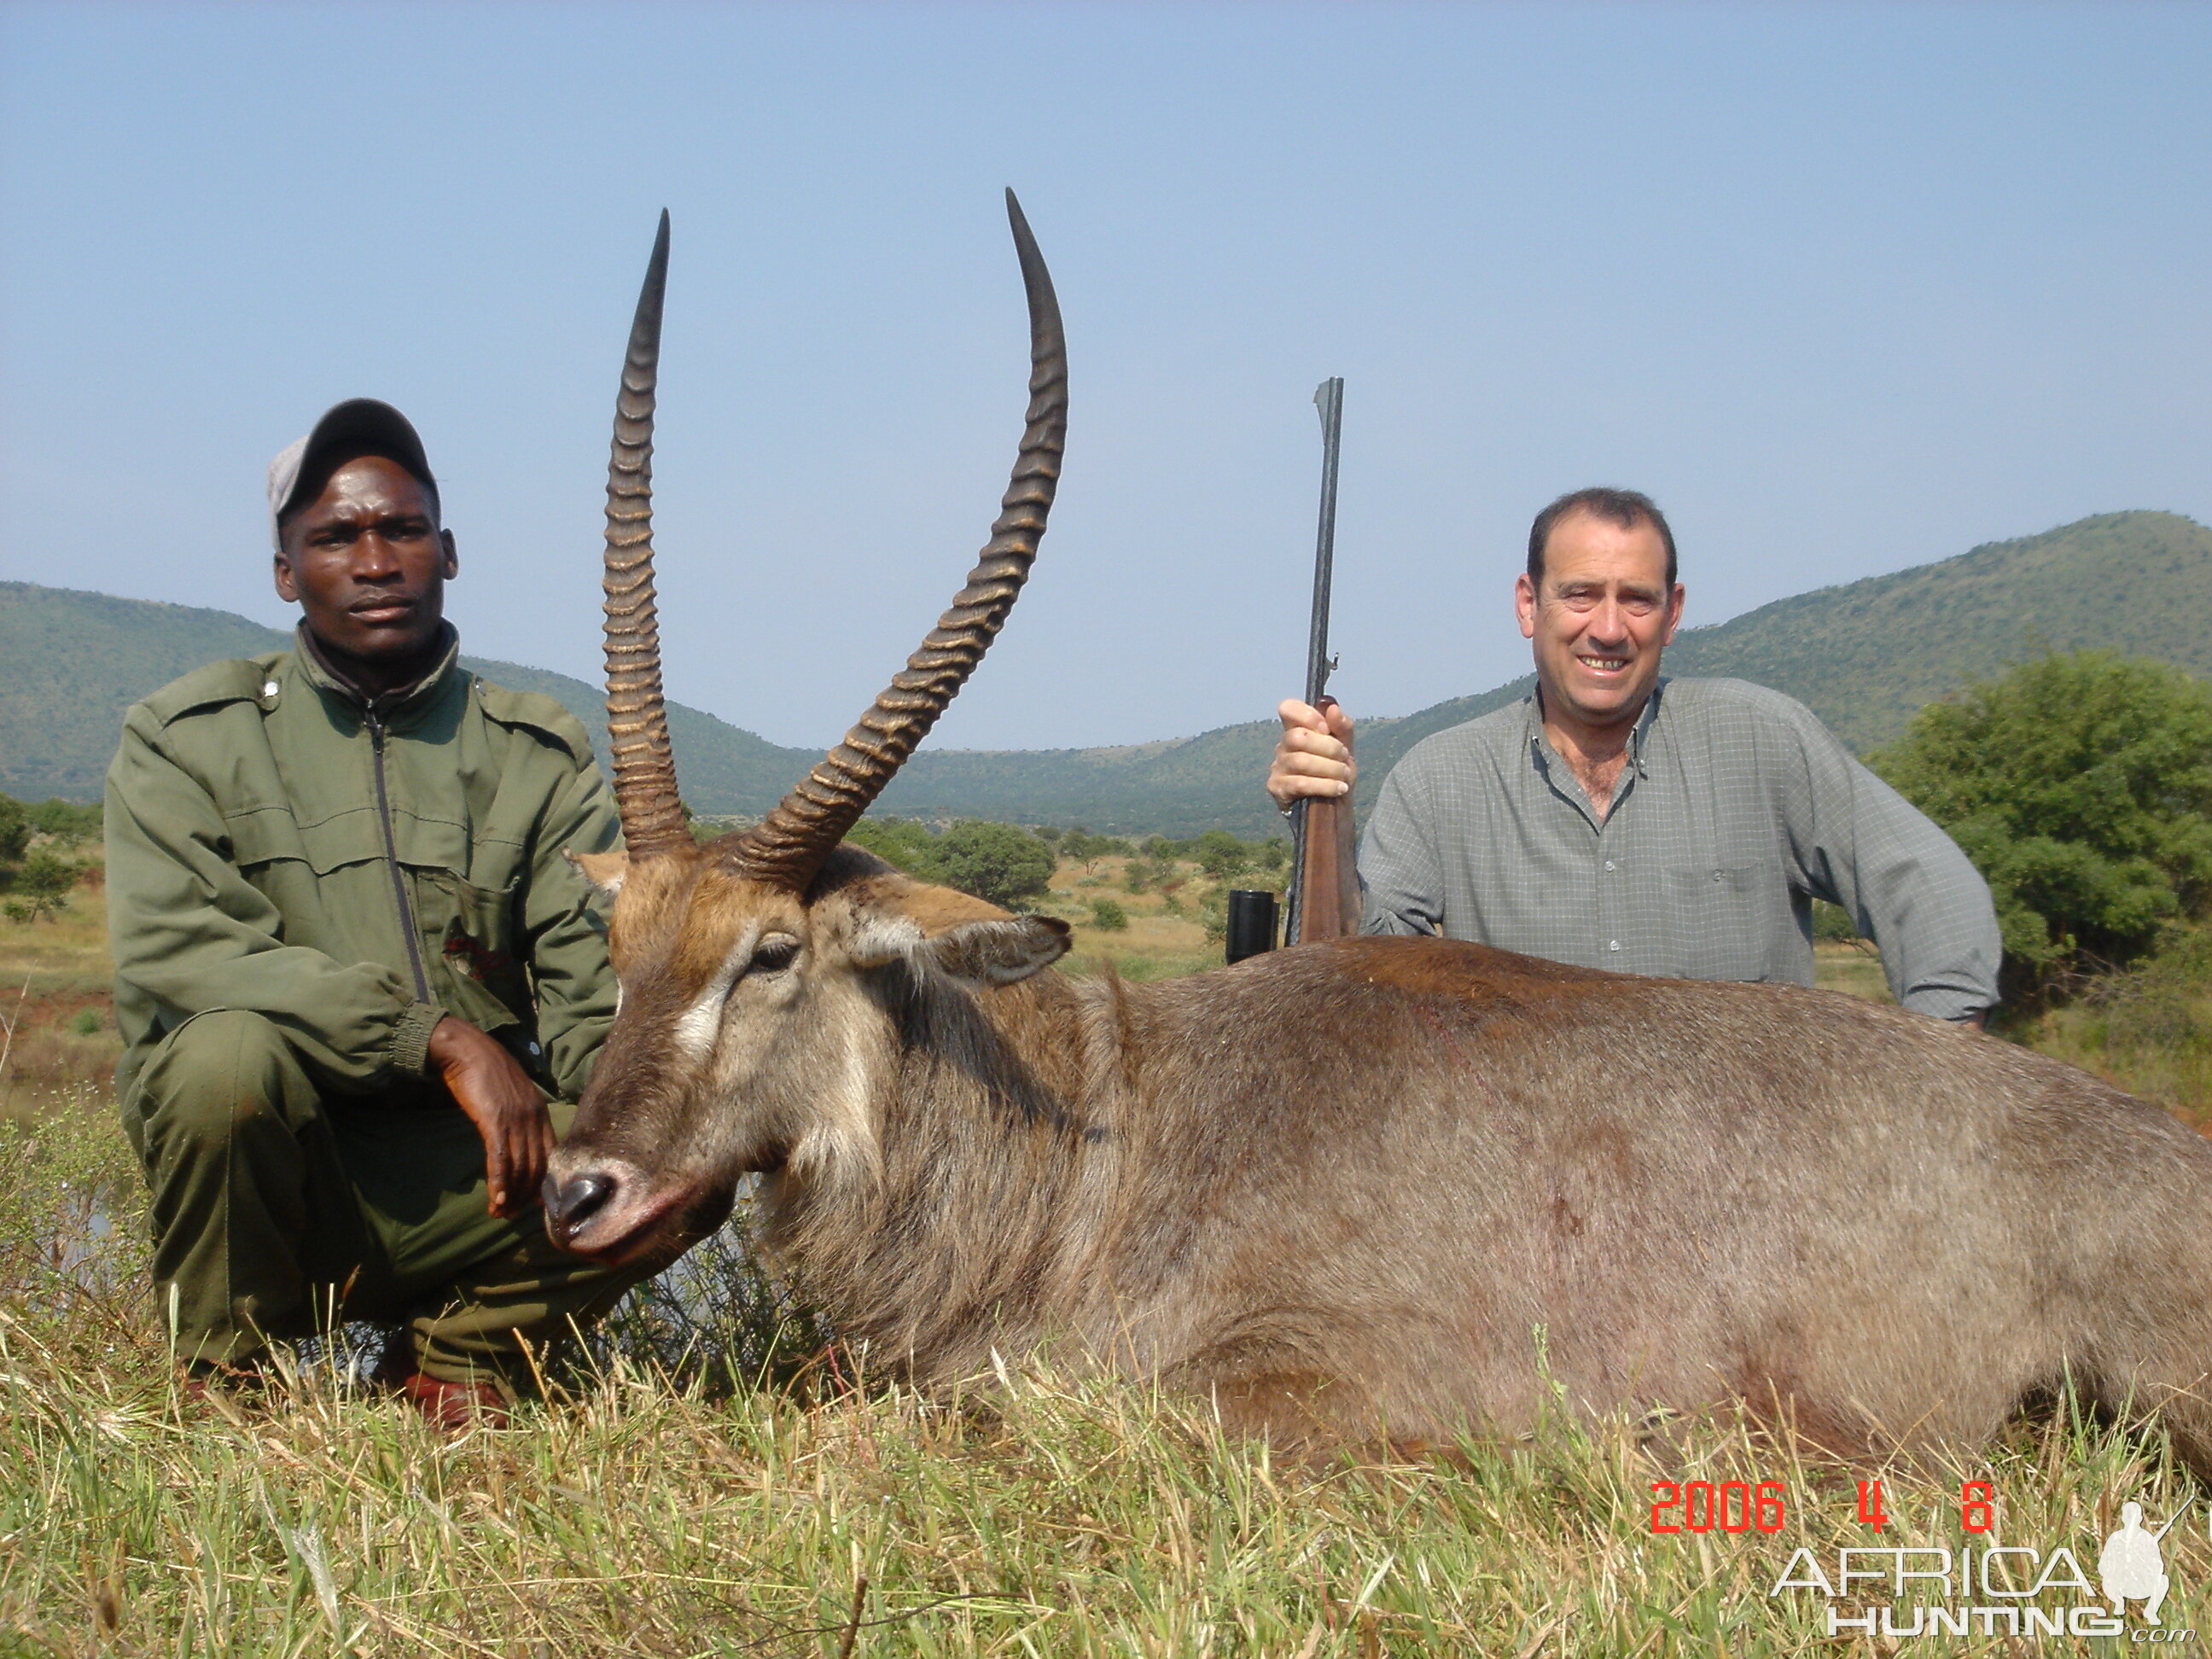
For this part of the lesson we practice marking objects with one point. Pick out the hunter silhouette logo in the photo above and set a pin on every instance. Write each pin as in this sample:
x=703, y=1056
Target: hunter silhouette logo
x=1990, y=1589
x=2131, y=1565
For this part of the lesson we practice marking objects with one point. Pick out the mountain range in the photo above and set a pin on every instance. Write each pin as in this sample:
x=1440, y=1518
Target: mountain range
x=1864, y=656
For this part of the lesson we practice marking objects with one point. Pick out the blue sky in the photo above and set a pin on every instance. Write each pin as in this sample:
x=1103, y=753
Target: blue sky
x=1847, y=289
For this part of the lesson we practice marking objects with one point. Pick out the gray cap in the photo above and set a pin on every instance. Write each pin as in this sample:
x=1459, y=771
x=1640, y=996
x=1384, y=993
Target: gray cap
x=356, y=420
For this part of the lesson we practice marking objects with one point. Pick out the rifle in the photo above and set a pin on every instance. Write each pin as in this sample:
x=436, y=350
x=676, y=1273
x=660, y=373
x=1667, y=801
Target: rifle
x=1324, y=899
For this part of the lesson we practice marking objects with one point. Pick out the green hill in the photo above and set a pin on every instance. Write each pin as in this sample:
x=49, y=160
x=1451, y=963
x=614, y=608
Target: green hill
x=1863, y=656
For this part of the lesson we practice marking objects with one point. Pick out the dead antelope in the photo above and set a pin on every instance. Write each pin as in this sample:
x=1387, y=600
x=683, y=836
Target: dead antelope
x=1372, y=1186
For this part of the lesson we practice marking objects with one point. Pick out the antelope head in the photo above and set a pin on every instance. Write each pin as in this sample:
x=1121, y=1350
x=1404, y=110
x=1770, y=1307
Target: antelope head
x=746, y=1038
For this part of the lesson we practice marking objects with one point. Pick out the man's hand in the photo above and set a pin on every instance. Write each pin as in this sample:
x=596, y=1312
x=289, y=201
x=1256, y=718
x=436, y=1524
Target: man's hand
x=1314, y=755
x=505, y=1105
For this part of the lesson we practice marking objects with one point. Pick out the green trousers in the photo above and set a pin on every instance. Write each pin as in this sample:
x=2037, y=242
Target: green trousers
x=280, y=1210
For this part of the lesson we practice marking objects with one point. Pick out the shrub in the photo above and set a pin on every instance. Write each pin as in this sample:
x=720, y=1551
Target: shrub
x=2080, y=785
x=1106, y=913
x=66, y=821
x=999, y=862
x=902, y=843
x=41, y=889
x=14, y=831
x=1221, y=855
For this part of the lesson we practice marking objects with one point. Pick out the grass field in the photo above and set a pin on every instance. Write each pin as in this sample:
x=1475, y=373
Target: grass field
x=664, y=1506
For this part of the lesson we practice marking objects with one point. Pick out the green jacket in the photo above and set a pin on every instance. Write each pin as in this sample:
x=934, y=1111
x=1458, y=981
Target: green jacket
x=354, y=873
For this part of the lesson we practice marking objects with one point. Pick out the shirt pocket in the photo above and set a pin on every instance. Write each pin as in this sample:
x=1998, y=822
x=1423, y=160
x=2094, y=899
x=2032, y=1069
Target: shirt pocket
x=473, y=939
x=1716, y=925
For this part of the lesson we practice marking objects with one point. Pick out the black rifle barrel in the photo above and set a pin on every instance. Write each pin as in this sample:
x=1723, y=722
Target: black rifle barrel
x=1328, y=397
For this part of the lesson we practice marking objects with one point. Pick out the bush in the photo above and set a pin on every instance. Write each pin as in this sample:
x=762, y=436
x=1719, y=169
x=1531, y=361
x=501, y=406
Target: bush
x=999, y=862
x=1221, y=855
x=1833, y=925
x=41, y=888
x=66, y=821
x=2080, y=785
x=14, y=831
x=900, y=842
x=1108, y=915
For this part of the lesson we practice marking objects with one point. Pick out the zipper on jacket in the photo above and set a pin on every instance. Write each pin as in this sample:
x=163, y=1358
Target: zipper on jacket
x=391, y=862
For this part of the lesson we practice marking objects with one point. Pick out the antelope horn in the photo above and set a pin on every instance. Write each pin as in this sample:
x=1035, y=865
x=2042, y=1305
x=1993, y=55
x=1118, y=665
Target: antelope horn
x=788, y=846
x=637, y=715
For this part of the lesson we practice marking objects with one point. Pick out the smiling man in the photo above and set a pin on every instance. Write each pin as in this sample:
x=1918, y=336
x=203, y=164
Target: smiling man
x=356, y=976
x=1618, y=819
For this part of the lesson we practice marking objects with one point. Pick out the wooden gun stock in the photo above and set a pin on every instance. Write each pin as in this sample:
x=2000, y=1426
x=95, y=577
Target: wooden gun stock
x=1326, y=896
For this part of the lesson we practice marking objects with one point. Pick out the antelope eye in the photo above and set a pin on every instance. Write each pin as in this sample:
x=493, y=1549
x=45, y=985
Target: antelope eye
x=775, y=953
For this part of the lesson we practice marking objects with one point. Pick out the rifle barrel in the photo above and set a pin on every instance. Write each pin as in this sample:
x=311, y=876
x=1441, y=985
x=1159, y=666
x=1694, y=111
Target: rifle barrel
x=1328, y=397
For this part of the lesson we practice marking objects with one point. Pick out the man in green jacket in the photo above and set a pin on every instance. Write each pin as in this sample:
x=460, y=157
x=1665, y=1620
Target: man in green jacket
x=358, y=982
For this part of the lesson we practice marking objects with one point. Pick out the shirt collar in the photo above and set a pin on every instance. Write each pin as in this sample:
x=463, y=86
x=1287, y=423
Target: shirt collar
x=1532, y=725
x=401, y=700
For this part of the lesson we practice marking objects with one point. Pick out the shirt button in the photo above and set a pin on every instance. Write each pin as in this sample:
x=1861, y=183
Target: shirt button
x=1610, y=865
x=1613, y=945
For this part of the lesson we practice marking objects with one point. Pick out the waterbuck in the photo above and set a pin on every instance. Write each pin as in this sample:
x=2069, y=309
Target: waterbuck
x=1371, y=1187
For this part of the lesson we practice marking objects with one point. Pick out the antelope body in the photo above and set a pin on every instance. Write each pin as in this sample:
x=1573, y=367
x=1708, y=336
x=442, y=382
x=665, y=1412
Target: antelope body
x=1390, y=1187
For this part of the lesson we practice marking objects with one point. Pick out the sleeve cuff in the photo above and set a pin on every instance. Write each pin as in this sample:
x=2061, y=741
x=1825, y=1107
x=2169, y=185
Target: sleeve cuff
x=410, y=1041
x=1943, y=1003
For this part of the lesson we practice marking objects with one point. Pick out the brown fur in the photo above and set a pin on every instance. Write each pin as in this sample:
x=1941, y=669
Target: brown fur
x=1407, y=1187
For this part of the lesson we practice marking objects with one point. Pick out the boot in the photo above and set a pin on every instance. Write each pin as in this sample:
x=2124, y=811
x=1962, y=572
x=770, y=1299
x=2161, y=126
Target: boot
x=455, y=1407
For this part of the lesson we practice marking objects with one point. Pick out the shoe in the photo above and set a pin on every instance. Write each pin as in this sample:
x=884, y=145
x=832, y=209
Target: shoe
x=205, y=1383
x=456, y=1408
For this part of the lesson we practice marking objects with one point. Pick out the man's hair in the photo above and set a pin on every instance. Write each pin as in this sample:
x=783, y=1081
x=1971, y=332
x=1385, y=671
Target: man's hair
x=317, y=479
x=1626, y=508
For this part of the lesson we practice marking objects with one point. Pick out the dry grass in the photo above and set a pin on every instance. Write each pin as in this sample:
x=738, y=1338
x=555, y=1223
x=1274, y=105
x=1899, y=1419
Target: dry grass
x=1039, y=1515
x=675, y=1508
x=54, y=982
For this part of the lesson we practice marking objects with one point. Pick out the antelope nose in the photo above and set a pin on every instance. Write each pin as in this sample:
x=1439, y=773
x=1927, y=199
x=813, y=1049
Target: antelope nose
x=570, y=1204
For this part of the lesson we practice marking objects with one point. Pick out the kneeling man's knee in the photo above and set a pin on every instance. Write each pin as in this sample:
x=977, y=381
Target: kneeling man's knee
x=217, y=1072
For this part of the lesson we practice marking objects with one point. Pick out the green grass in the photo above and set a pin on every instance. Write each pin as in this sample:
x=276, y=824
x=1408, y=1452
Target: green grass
x=705, y=1484
x=654, y=1511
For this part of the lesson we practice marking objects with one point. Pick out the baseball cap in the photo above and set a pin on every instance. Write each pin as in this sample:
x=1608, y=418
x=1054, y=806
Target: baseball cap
x=358, y=420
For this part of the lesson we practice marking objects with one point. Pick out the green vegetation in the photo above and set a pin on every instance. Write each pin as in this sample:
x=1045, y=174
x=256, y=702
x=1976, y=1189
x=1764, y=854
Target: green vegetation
x=34, y=875
x=38, y=888
x=1109, y=916
x=1001, y=862
x=2081, y=787
x=2148, y=1029
x=657, y=1510
x=1864, y=656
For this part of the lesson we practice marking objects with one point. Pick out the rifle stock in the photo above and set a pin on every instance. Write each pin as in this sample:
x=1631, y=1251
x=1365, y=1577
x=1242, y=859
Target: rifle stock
x=1325, y=896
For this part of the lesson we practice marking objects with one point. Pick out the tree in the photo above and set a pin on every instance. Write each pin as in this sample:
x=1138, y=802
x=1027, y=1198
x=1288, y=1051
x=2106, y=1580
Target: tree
x=41, y=888
x=1108, y=915
x=900, y=842
x=1221, y=855
x=1000, y=862
x=2080, y=785
x=14, y=831
x=67, y=821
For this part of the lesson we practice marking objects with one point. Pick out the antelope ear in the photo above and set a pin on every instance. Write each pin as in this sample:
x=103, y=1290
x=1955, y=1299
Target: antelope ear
x=997, y=952
x=604, y=871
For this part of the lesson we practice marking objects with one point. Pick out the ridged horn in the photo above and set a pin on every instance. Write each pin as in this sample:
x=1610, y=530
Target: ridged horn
x=788, y=846
x=637, y=715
